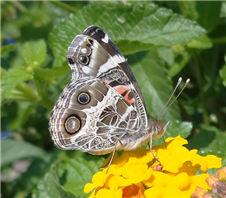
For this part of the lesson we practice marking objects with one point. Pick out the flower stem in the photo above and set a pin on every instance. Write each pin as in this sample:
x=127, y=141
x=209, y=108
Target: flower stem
x=64, y=5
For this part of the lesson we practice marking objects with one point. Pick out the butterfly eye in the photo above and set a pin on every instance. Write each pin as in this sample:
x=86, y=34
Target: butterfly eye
x=83, y=60
x=83, y=98
x=72, y=124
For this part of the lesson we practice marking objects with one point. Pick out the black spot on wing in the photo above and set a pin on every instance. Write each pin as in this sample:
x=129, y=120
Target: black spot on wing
x=124, y=93
x=95, y=32
x=114, y=83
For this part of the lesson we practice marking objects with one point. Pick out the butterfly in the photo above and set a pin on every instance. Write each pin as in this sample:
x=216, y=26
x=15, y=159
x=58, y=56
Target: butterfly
x=101, y=109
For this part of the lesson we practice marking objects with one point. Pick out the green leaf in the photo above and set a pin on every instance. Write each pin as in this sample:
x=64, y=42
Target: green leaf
x=79, y=171
x=208, y=14
x=25, y=109
x=11, y=79
x=179, y=63
x=34, y=53
x=154, y=83
x=182, y=56
x=174, y=129
x=29, y=179
x=208, y=60
x=69, y=175
x=209, y=141
x=202, y=42
x=50, y=74
x=134, y=27
x=4, y=65
x=223, y=10
x=13, y=150
x=223, y=73
x=49, y=188
x=166, y=54
x=7, y=48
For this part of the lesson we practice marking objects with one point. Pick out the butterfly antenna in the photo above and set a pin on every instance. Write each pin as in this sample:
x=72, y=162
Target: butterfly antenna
x=168, y=106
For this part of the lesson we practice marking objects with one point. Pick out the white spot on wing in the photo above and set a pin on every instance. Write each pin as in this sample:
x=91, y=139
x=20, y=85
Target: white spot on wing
x=118, y=58
x=105, y=39
x=84, y=50
x=88, y=70
x=106, y=66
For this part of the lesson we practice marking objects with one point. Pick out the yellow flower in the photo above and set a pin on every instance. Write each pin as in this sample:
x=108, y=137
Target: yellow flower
x=138, y=174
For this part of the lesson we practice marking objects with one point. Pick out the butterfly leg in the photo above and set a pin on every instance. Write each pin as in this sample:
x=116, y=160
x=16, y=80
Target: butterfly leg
x=112, y=154
x=150, y=146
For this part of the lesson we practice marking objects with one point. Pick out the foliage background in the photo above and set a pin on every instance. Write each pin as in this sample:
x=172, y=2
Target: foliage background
x=162, y=41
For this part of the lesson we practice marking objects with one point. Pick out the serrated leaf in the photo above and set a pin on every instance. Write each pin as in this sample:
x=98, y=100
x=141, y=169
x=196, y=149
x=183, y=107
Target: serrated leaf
x=174, y=129
x=49, y=188
x=154, y=83
x=7, y=48
x=209, y=141
x=11, y=79
x=144, y=25
x=80, y=171
x=69, y=175
x=13, y=150
x=34, y=53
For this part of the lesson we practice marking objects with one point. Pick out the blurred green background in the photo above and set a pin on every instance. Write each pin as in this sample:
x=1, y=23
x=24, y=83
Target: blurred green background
x=162, y=41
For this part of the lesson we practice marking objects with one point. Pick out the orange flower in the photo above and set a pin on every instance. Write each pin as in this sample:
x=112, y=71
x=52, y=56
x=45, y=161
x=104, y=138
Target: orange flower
x=222, y=173
x=217, y=186
x=199, y=192
x=211, y=180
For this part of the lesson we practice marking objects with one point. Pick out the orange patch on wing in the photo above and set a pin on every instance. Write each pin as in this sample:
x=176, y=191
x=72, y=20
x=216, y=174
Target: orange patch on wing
x=125, y=92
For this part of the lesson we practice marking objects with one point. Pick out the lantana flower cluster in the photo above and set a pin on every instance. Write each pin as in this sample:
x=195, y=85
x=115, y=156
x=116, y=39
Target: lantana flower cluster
x=217, y=185
x=138, y=174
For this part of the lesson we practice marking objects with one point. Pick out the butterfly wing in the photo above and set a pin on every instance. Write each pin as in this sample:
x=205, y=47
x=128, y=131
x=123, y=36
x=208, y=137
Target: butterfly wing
x=102, y=104
x=95, y=123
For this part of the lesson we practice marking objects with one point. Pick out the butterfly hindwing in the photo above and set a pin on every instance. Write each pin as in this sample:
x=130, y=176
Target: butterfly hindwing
x=96, y=126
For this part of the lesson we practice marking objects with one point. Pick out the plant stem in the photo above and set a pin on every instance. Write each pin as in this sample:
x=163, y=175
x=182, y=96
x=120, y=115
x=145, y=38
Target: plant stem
x=219, y=40
x=64, y=5
x=19, y=6
x=47, y=103
x=27, y=91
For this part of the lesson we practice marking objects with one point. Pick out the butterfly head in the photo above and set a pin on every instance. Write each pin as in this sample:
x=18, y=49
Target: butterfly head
x=157, y=128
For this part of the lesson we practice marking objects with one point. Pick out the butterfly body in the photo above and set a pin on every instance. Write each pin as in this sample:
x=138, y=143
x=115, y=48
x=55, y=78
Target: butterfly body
x=102, y=109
